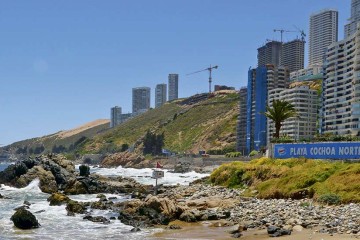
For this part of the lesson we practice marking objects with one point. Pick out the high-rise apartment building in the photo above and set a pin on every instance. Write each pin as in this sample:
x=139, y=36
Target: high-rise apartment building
x=350, y=28
x=140, y=100
x=173, y=86
x=323, y=32
x=160, y=95
x=270, y=53
x=241, y=124
x=115, y=116
x=306, y=104
x=341, y=87
x=260, y=81
x=292, y=55
x=289, y=54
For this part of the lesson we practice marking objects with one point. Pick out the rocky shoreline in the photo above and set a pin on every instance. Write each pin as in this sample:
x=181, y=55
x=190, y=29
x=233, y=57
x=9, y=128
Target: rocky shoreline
x=195, y=203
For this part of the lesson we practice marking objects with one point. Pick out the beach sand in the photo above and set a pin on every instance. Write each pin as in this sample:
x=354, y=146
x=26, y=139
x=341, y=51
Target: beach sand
x=206, y=231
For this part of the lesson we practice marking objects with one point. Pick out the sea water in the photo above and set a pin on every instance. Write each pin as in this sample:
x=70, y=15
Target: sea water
x=56, y=225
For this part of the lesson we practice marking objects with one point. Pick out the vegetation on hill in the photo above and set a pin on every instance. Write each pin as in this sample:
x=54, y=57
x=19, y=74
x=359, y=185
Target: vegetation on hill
x=293, y=178
x=188, y=126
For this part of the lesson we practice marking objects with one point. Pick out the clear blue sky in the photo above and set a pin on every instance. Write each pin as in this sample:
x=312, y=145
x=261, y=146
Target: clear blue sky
x=65, y=63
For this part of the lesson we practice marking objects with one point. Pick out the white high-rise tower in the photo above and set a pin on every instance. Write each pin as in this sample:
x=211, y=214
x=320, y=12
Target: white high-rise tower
x=350, y=28
x=323, y=32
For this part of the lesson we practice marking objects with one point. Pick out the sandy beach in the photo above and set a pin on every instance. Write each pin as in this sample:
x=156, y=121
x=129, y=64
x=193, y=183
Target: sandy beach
x=207, y=231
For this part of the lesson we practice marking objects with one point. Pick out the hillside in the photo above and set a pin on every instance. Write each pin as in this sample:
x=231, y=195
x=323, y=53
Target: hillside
x=62, y=141
x=189, y=125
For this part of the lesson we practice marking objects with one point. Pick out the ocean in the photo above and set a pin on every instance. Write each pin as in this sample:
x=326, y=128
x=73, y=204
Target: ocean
x=55, y=224
x=3, y=166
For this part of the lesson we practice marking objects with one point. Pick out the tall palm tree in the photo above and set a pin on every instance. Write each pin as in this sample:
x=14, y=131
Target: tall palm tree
x=279, y=112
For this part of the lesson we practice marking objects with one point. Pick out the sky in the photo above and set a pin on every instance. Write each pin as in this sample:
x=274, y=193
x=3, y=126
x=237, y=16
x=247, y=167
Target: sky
x=66, y=63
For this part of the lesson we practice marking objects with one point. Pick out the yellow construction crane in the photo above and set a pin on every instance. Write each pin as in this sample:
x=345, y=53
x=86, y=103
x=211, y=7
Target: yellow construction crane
x=206, y=69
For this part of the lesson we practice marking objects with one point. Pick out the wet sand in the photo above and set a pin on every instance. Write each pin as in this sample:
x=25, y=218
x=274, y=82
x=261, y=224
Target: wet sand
x=206, y=231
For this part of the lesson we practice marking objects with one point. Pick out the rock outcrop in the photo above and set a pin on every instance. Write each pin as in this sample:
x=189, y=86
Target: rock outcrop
x=56, y=173
x=124, y=159
x=24, y=219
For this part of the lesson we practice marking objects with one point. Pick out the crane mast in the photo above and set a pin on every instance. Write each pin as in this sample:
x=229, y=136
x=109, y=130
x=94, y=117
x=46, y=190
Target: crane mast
x=210, y=77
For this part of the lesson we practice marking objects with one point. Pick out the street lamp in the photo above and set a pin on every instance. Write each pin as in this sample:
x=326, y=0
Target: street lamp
x=258, y=141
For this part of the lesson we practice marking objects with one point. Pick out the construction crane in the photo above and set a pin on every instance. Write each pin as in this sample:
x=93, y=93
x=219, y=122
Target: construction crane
x=302, y=33
x=206, y=69
x=282, y=31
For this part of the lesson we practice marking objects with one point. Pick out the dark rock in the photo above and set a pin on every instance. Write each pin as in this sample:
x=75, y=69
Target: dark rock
x=174, y=226
x=285, y=232
x=84, y=170
x=182, y=167
x=112, y=218
x=29, y=163
x=275, y=234
x=75, y=207
x=40, y=211
x=236, y=235
x=99, y=205
x=213, y=216
x=135, y=229
x=272, y=229
x=24, y=219
x=102, y=197
x=1, y=196
x=98, y=219
x=22, y=207
x=187, y=216
x=20, y=169
x=154, y=216
x=27, y=203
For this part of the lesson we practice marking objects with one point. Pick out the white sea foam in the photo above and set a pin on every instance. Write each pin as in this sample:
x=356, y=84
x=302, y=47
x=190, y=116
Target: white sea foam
x=55, y=224
x=144, y=175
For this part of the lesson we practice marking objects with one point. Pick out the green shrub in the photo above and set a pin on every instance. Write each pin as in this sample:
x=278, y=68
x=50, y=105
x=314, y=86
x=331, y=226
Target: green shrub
x=215, y=152
x=233, y=154
x=253, y=153
x=329, y=198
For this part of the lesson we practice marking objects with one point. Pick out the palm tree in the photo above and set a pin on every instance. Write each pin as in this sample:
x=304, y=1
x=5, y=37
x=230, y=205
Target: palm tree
x=279, y=112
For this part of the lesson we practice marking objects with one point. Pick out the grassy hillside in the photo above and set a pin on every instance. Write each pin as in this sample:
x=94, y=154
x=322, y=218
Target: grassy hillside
x=189, y=125
x=207, y=124
x=295, y=178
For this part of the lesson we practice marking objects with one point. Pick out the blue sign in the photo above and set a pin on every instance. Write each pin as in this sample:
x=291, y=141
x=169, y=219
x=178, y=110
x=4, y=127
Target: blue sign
x=333, y=150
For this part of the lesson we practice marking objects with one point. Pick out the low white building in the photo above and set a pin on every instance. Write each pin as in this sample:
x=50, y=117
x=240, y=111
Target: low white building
x=311, y=73
x=306, y=103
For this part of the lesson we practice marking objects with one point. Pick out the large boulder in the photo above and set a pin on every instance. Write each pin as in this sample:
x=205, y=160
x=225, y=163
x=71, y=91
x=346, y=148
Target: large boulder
x=24, y=219
x=57, y=199
x=76, y=187
x=162, y=205
x=47, y=179
x=75, y=207
x=182, y=167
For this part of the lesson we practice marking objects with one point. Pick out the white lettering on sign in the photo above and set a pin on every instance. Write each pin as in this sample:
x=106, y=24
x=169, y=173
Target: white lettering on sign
x=349, y=150
x=322, y=151
x=298, y=151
